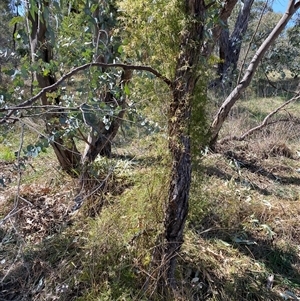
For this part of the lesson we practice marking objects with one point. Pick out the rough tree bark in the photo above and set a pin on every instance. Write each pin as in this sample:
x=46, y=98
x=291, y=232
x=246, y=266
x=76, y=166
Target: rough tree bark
x=230, y=45
x=179, y=142
x=40, y=46
x=244, y=83
x=192, y=48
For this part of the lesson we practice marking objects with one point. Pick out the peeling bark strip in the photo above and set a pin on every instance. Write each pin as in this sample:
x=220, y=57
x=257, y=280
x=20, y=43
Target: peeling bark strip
x=246, y=80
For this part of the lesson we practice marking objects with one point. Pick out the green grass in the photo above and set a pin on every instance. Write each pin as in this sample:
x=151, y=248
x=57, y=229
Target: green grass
x=6, y=154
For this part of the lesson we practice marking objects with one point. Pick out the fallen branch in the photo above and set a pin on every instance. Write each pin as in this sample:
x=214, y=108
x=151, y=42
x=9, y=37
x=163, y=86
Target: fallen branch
x=265, y=122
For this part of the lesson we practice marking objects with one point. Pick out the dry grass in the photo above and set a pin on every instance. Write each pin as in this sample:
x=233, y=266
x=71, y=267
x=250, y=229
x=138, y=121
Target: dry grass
x=244, y=227
x=243, y=223
x=49, y=252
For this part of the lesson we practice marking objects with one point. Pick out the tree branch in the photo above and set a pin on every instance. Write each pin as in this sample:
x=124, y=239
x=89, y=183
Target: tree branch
x=264, y=123
x=225, y=12
x=51, y=88
x=251, y=40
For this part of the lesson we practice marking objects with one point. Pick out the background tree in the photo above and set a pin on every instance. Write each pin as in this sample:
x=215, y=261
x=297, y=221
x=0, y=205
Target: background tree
x=283, y=58
x=245, y=81
x=7, y=55
x=104, y=106
x=230, y=44
x=42, y=42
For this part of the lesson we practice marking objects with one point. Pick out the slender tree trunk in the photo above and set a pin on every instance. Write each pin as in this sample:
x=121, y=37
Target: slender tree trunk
x=230, y=45
x=192, y=48
x=101, y=139
x=65, y=149
x=244, y=83
x=225, y=12
x=101, y=136
x=179, y=143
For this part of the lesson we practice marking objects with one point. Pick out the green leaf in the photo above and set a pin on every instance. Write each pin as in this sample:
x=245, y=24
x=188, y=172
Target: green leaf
x=15, y=20
x=29, y=147
x=35, y=83
x=9, y=72
x=57, y=5
x=269, y=230
x=89, y=117
x=126, y=90
x=120, y=49
x=46, y=14
x=33, y=8
x=244, y=241
x=46, y=72
x=63, y=119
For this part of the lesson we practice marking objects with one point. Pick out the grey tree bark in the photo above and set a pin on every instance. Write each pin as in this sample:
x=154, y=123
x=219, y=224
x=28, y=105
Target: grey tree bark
x=244, y=83
x=230, y=45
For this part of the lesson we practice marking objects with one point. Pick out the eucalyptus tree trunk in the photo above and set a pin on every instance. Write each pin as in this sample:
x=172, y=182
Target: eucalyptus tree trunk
x=179, y=141
x=193, y=48
x=246, y=80
x=230, y=45
x=102, y=134
x=224, y=14
x=41, y=49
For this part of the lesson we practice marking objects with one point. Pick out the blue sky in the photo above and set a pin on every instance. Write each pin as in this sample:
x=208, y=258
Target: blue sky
x=279, y=6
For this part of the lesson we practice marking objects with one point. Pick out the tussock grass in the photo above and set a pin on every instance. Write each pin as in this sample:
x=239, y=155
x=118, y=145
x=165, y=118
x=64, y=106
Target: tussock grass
x=122, y=236
x=235, y=237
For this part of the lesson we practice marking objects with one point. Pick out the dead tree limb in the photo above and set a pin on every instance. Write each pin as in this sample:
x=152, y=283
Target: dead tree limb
x=265, y=122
